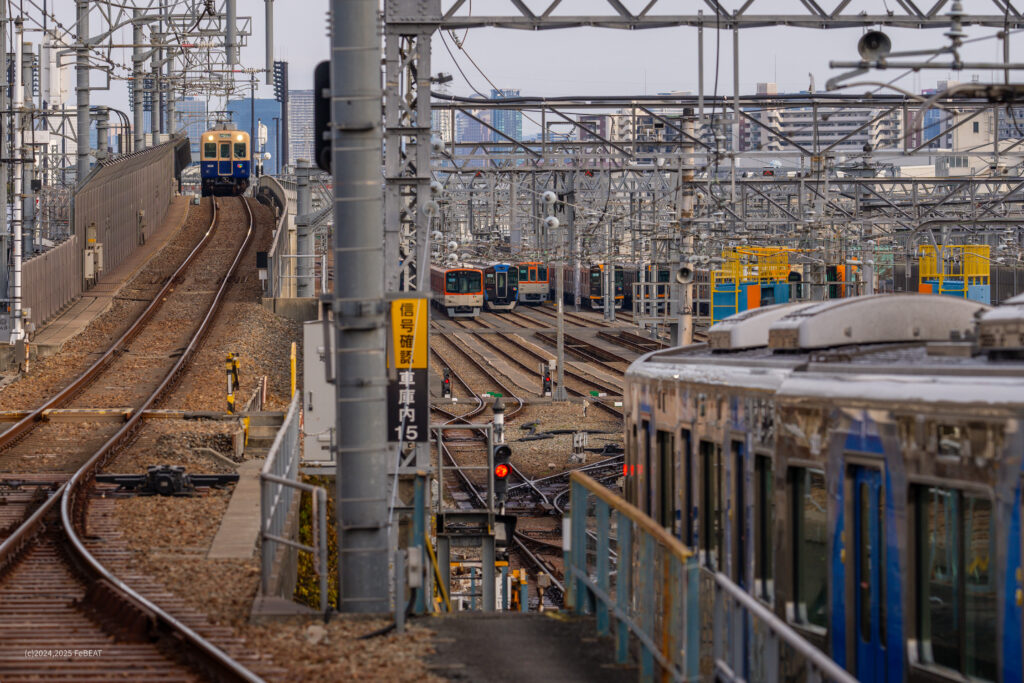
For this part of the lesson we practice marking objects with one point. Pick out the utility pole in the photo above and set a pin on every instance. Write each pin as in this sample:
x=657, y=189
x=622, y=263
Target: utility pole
x=304, y=244
x=18, y=102
x=361, y=450
x=82, y=90
x=138, y=52
x=551, y=222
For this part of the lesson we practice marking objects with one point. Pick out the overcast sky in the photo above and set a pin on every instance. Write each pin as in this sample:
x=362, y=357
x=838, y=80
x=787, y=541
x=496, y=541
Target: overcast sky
x=590, y=61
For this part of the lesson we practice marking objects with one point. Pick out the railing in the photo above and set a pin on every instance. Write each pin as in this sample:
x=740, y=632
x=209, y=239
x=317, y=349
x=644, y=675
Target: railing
x=278, y=483
x=654, y=596
x=751, y=643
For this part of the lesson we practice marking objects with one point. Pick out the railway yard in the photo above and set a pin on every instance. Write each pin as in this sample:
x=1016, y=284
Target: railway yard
x=402, y=341
x=141, y=386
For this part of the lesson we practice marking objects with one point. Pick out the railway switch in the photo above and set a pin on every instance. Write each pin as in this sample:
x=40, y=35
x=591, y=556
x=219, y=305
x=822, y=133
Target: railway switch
x=165, y=480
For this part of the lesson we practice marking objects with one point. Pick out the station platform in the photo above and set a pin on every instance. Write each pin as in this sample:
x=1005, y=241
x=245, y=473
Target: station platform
x=517, y=647
x=51, y=338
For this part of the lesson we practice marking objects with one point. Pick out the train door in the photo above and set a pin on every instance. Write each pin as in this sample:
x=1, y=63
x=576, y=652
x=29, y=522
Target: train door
x=869, y=575
x=501, y=292
x=224, y=159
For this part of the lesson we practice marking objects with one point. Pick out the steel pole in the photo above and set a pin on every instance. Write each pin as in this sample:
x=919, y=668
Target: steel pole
x=268, y=6
x=231, y=32
x=6, y=233
x=82, y=90
x=304, y=246
x=18, y=102
x=137, y=60
x=359, y=310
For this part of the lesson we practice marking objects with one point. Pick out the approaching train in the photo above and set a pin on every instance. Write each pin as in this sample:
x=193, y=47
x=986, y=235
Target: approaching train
x=459, y=292
x=225, y=162
x=857, y=466
x=533, y=282
x=501, y=287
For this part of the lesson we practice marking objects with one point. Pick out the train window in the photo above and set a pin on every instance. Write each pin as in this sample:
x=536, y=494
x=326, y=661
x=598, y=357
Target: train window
x=739, y=513
x=711, y=503
x=956, y=600
x=489, y=278
x=666, y=461
x=645, y=469
x=542, y=273
x=865, y=509
x=950, y=440
x=810, y=545
x=210, y=150
x=239, y=150
x=687, y=496
x=764, y=518
x=225, y=150
x=524, y=273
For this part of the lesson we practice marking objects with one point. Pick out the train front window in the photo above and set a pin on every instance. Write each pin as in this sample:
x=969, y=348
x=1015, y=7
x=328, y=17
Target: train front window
x=239, y=150
x=210, y=150
x=956, y=600
x=462, y=282
x=595, y=281
x=542, y=274
x=489, y=279
x=810, y=533
x=524, y=273
x=225, y=150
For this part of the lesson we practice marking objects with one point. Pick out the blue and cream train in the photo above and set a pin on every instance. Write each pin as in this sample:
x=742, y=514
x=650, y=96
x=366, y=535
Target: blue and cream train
x=856, y=465
x=225, y=158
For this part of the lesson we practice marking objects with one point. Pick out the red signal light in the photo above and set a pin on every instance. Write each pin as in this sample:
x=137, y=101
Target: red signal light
x=501, y=471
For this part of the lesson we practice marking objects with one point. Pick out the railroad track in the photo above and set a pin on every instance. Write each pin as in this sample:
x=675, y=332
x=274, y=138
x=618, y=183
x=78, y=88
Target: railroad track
x=587, y=383
x=456, y=479
x=585, y=351
x=633, y=342
x=57, y=600
x=580, y=319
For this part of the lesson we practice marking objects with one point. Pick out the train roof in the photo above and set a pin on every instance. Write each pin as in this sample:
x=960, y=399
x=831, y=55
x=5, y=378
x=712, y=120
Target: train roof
x=889, y=348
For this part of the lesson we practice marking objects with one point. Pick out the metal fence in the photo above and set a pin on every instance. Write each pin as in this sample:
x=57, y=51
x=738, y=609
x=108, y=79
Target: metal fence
x=51, y=279
x=279, y=480
x=630, y=572
x=116, y=191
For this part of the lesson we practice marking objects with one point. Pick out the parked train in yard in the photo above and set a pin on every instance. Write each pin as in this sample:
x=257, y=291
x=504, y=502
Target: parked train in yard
x=533, y=282
x=459, y=292
x=856, y=465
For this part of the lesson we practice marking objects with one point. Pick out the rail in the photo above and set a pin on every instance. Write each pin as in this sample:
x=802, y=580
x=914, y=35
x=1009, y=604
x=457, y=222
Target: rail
x=655, y=596
x=279, y=479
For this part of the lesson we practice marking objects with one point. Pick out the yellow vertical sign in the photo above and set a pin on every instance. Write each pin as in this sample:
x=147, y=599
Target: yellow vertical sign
x=409, y=333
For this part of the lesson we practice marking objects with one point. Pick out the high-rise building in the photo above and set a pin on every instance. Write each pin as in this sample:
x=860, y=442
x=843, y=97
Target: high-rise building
x=441, y=126
x=300, y=125
x=470, y=130
x=266, y=111
x=508, y=121
x=191, y=117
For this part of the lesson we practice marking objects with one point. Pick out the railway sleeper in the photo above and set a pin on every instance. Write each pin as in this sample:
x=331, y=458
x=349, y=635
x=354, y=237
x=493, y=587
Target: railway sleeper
x=117, y=613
